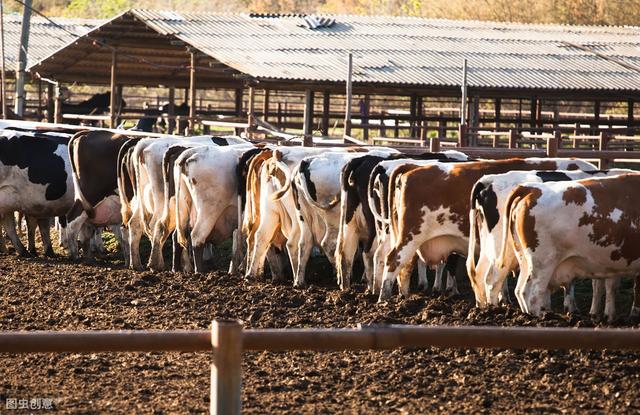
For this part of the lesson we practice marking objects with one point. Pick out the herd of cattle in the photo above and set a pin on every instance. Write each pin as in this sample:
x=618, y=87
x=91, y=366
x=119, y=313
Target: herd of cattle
x=547, y=220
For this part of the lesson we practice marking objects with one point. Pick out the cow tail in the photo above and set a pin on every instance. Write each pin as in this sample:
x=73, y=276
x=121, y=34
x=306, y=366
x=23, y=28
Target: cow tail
x=514, y=197
x=182, y=218
x=73, y=158
x=473, y=233
x=390, y=192
x=277, y=160
x=375, y=202
x=168, y=163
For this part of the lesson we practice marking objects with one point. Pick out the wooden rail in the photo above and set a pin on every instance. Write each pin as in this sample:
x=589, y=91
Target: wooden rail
x=227, y=341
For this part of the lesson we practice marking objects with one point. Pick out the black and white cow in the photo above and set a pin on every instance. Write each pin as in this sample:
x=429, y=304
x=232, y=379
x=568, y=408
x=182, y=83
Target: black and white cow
x=35, y=178
x=94, y=161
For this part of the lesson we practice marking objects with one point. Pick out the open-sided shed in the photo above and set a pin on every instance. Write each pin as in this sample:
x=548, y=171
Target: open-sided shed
x=391, y=55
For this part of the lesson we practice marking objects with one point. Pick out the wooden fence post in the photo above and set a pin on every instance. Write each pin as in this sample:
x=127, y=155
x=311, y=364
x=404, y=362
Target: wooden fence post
x=552, y=146
x=513, y=137
x=226, y=368
x=603, y=142
x=462, y=135
x=434, y=145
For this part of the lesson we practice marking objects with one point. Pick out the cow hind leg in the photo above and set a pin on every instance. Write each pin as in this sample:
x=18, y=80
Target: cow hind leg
x=9, y=224
x=597, y=286
x=635, y=307
x=45, y=234
x=32, y=224
x=135, y=236
x=611, y=288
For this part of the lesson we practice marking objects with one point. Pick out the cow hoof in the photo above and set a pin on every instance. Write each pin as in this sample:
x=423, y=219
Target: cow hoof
x=635, y=312
x=33, y=252
x=422, y=288
x=25, y=254
x=300, y=285
x=50, y=254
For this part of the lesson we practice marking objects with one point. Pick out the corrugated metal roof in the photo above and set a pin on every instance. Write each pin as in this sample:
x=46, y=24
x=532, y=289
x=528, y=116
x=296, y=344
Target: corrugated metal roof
x=410, y=51
x=44, y=38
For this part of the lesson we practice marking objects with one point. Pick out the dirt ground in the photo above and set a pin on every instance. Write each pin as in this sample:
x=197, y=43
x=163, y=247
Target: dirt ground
x=38, y=294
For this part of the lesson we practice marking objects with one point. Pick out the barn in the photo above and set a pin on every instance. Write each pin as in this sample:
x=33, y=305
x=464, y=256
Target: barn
x=407, y=73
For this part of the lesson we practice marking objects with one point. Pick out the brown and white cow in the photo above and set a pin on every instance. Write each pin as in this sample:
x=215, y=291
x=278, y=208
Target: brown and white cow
x=378, y=199
x=561, y=231
x=486, y=219
x=430, y=211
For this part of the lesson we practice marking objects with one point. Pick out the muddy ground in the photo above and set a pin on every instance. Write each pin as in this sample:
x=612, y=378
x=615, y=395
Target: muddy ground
x=38, y=294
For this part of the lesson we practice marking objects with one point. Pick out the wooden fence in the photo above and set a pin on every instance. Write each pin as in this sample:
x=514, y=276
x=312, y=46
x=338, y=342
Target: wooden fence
x=227, y=341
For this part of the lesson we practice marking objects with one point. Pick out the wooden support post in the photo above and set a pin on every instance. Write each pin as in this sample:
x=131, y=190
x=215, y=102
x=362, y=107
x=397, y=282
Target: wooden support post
x=533, y=112
x=251, y=120
x=192, y=92
x=434, y=144
x=603, y=143
x=51, y=102
x=442, y=126
x=383, y=126
x=265, y=105
x=423, y=134
x=413, y=109
x=279, y=115
x=474, y=119
x=539, y=113
x=630, y=117
x=308, y=119
x=513, y=138
x=596, y=118
x=326, y=112
x=238, y=103
x=498, y=108
x=112, y=104
x=226, y=368
x=364, y=118
x=238, y=106
x=396, y=132
x=347, y=112
x=171, y=111
x=57, y=118
x=462, y=135
x=552, y=146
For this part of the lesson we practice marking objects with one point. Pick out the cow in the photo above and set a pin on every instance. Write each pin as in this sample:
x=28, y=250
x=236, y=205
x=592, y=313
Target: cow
x=485, y=232
x=277, y=223
x=357, y=223
x=35, y=179
x=430, y=211
x=206, y=196
x=147, y=203
x=560, y=231
x=94, y=161
x=167, y=221
x=250, y=175
x=378, y=198
x=317, y=194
